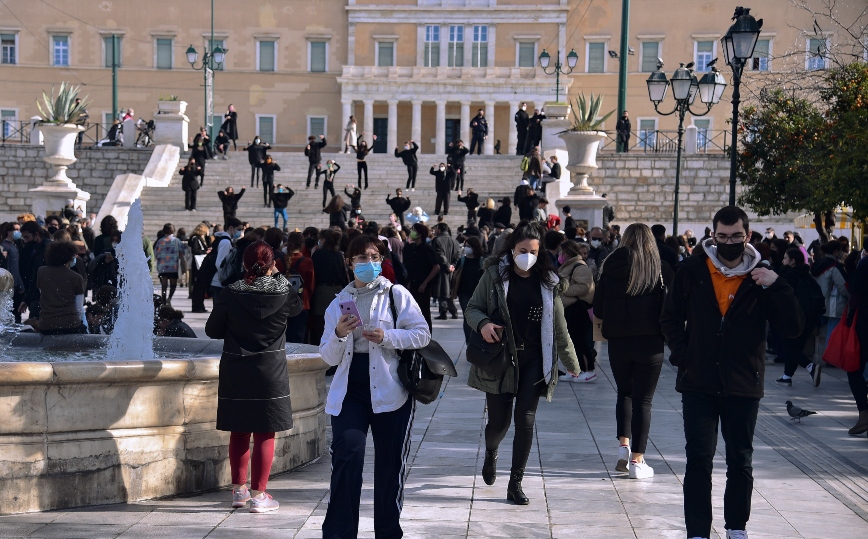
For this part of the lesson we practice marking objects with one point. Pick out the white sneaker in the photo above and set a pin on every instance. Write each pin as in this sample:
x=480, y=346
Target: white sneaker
x=587, y=377
x=624, y=455
x=263, y=503
x=736, y=534
x=570, y=377
x=641, y=470
x=240, y=496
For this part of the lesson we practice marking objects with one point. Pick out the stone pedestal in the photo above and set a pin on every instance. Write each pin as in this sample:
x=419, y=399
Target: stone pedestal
x=130, y=133
x=36, y=131
x=172, y=128
x=558, y=189
x=50, y=199
x=586, y=209
x=557, y=120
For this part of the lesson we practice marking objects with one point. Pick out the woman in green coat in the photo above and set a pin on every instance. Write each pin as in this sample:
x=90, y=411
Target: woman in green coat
x=518, y=297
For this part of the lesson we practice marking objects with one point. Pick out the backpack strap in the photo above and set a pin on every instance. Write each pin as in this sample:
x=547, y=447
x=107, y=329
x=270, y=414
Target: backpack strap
x=295, y=264
x=392, y=308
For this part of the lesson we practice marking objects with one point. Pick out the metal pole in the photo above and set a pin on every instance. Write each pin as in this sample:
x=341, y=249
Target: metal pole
x=733, y=147
x=114, y=76
x=622, y=64
x=558, y=78
x=681, y=112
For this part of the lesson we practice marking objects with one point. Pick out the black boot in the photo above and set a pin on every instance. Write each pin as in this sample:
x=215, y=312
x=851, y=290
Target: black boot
x=513, y=490
x=489, y=467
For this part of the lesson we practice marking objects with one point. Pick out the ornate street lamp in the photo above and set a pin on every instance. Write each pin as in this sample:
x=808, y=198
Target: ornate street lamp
x=545, y=59
x=212, y=59
x=738, y=47
x=685, y=88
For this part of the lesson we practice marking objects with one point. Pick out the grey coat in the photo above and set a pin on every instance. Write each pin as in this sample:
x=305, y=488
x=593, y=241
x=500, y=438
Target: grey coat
x=448, y=254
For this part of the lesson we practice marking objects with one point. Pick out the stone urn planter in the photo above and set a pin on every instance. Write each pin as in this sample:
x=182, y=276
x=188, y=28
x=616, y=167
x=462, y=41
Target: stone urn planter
x=60, y=150
x=171, y=107
x=582, y=147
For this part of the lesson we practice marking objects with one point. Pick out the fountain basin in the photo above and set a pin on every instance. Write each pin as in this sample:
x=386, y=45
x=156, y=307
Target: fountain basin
x=79, y=433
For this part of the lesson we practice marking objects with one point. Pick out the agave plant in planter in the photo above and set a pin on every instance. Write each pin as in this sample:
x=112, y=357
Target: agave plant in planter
x=63, y=109
x=62, y=120
x=583, y=138
x=585, y=114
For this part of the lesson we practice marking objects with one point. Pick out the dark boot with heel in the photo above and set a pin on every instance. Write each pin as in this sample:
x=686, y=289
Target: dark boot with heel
x=489, y=467
x=514, y=493
x=861, y=425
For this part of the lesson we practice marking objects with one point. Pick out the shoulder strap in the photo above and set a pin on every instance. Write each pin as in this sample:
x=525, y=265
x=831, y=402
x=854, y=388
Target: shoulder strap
x=392, y=308
x=296, y=263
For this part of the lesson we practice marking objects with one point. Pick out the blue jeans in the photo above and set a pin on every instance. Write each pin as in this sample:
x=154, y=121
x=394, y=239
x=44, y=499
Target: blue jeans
x=280, y=213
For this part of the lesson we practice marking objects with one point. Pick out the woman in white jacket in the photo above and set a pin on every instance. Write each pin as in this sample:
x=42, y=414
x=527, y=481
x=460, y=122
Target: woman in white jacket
x=366, y=392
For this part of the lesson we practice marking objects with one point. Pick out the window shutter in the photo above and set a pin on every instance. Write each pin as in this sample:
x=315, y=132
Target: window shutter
x=266, y=56
x=596, y=61
x=650, y=52
x=164, y=54
x=386, y=57
x=526, y=55
x=317, y=126
x=318, y=56
x=266, y=129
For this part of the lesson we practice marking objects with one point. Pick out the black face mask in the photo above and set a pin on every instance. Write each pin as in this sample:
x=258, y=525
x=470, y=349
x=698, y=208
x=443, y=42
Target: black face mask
x=51, y=229
x=730, y=251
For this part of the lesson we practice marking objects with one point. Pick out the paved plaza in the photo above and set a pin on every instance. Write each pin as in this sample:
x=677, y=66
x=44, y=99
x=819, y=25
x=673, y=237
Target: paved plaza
x=811, y=478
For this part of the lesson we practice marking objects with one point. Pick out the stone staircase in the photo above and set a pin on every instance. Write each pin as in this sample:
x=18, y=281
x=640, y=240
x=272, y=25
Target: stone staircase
x=492, y=176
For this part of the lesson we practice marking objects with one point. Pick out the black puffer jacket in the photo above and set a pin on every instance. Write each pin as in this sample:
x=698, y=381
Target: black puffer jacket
x=624, y=315
x=723, y=355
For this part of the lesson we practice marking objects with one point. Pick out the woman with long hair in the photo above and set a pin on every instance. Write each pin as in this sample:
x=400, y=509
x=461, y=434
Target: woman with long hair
x=331, y=277
x=366, y=393
x=103, y=242
x=628, y=299
x=518, y=299
x=339, y=212
x=577, y=299
x=253, y=391
x=198, y=244
x=503, y=215
x=485, y=214
x=168, y=253
x=422, y=267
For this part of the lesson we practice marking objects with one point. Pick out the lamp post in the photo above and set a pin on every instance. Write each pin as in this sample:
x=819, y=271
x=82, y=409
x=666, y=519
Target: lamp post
x=545, y=58
x=685, y=88
x=738, y=46
x=211, y=59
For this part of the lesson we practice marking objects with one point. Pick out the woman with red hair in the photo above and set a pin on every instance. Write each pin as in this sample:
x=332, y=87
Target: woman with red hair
x=250, y=316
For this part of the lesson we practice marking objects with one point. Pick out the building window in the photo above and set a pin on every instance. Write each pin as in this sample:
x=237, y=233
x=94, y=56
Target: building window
x=385, y=53
x=760, y=59
x=455, y=56
x=432, y=46
x=164, y=53
x=9, y=49
x=265, y=127
x=650, y=54
x=479, y=53
x=213, y=45
x=317, y=125
x=703, y=128
x=107, y=120
x=266, y=52
x=648, y=132
x=318, y=53
x=9, y=118
x=596, y=58
x=817, y=49
x=704, y=54
x=60, y=50
x=526, y=56
x=107, y=51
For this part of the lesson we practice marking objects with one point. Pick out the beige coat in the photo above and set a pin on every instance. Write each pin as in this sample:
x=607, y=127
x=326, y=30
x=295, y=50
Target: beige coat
x=581, y=281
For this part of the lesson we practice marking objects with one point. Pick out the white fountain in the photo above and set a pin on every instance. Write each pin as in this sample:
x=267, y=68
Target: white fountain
x=133, y=335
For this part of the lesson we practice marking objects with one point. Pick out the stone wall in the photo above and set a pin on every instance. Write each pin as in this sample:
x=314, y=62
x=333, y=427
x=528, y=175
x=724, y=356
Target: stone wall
x=22, y=168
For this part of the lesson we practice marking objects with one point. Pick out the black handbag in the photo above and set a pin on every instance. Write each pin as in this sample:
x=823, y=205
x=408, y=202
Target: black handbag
x=421, y=371
x=490, y=358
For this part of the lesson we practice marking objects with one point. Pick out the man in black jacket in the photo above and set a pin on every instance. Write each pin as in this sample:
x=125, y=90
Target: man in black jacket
x=455, y=156
x=313, y=151
x=255, y=156
x=479, y=129
x=666, y=254
x=443, y=180
x=714, y=320
x=230, y=201
x=471, y=200
x=399, y=205
x=521, y=122
x=408, y=156
x=534, y=129
x=269, y=167
x=623, y=128
x=448, y=253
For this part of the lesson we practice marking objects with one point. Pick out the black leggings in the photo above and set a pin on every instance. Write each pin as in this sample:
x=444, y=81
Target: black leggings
x=530, y=389
x=856, y=379
x=793, y=352
x=636, y=363
x=578, y=325
x=411, y=176
x=360, y=166
x=327, y=187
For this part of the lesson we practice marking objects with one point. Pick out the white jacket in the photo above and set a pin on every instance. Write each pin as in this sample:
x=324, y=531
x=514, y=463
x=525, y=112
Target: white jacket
x=387, y=393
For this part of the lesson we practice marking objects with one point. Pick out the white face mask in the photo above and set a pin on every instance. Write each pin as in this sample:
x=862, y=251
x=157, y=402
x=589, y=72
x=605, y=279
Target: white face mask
x=406, y=146
x=595, y=244
x=770, y=235
x=525, y=261
x=524, y=107
x=114, y=245
x=468, y=250
x=442, y=168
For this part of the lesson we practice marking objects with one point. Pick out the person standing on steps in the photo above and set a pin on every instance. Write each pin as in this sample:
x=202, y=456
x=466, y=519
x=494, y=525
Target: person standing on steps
x=355, y=196
x=328, y=183
x=534, y=129
x=362, y=151
x=313, y=151
x=280, y=198
x=442, y=187
x=199, y=154
x=269, y=167
x=256, y=155
x=408, y=156
x=350, y=135
x=399, y=205
x=518, y=299
x=471, y=200
x=455, y=153
x=338, y=211
x=521, y=122
x=190, y=184
x=230, y=127
x=230, y=201
x=479, y=129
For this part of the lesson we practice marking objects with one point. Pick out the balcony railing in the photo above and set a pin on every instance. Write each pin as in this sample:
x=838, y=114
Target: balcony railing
x=19, y=132
x=659, y=141
x=423, y=73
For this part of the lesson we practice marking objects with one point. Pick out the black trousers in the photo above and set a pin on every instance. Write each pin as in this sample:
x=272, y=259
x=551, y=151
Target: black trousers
x=254, y=174
x=500, y=412
x=190, y=199
x=411, y=176
x=197, y=292
x=267, y=189
x=476, y=143
x=424, y=301
x=391, y=433
x=442, y=199
x=522, y=141
x=737, y=419
x=793, y=352
x=459, y=178
x=856, y=379
x=311, y=169
x=447, y=304
x=579, y=325
x=327, y=187
x=636, y=363
x=362, y=166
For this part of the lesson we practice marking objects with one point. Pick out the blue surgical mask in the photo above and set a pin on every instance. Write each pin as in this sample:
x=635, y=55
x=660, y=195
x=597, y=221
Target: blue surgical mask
x=367, y=271
x=236, y=235
x=16, y=235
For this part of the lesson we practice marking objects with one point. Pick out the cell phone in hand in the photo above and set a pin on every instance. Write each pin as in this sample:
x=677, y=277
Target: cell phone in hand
x=349, y=307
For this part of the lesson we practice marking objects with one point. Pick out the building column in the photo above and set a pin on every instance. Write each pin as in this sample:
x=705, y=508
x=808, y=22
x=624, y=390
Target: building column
x=416, y=126
x=488, y=145
x=351, y=44
x=465, y=123
x=420, y=45
x=347, y=111
x=369, y=121
x=513, y=131
x=440, y=129
x=392, y=133
x=492, y=40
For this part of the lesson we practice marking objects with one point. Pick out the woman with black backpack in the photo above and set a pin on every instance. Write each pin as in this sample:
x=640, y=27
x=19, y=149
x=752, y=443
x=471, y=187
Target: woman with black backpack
x=797, y=273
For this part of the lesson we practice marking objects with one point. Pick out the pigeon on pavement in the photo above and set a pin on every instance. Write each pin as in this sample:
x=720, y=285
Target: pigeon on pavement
x=797, y=413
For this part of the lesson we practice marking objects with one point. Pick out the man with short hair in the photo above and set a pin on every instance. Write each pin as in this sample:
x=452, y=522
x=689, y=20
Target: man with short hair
x=569, y=222
x=313, y=151
x=623, y=128
x=399, y=204
x=666, y=254
x=448, y=254
x=479, y=129
x=540, y=214
x=717, y=347
x=224, y=240
x=599, y=250
x=521, y=122
x=770, y=236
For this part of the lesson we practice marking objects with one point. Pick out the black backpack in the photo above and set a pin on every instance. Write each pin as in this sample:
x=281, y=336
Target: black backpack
x=296, y=281
x=230, y=269
x=812, y=301
x=209, y=264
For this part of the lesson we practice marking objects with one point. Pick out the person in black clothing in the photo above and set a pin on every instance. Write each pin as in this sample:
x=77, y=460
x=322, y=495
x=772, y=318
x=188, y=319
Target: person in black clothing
x=534, y=130
x=569, y=222
x=471, y=200
x=503, y=215
x=280, y=198
x=521, y=122
x=399, y=205
x=449, y=254
x=338, y=211
x=471, y=271
x=313, y=151
x=230, y=127
x=421, y=263
x=328, y=184
x=221, y=144
x=666, y=254
x=455, y=156
x=203, y=137
x=555, y=168
x=479, y=129
x=171, y=325
x=355, y=196
x=408, y=156
x=442, y=186
x=608, y=213
x=269, y=167
x=623, y=128
x=199, y=153
x=797, y=273
x=330, y=269
x=31, y=258
x=497, y=147
x=189, y=184
x=255, y=156
x=362, y=150
x=528, y=205
x=485, y=214
x=198, y=247
x=230, y=201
